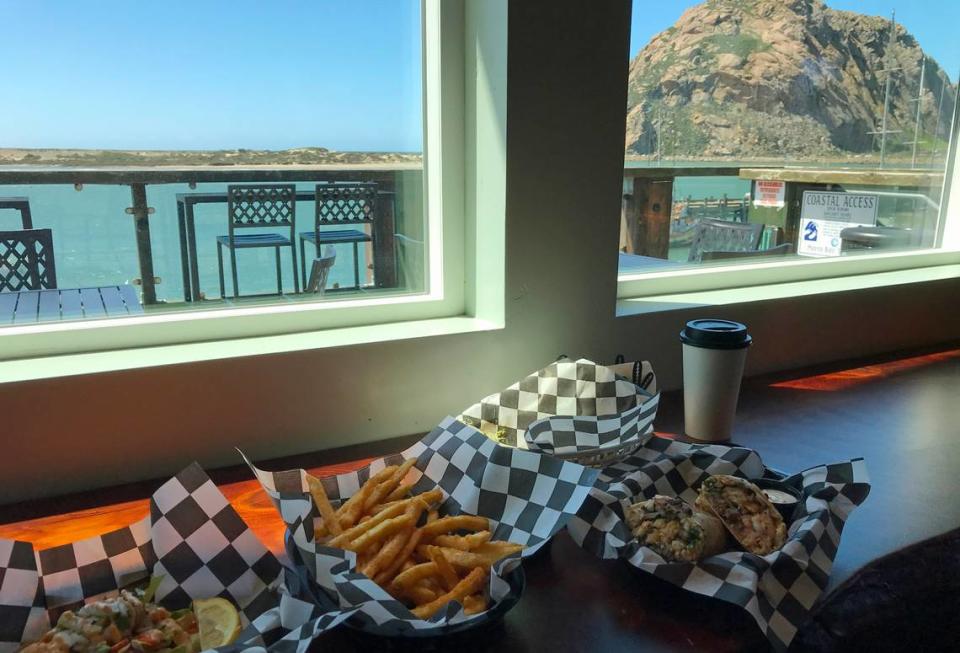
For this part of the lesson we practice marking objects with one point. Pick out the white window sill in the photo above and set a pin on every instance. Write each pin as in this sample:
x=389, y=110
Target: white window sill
x=724, y=297
x=29, y=369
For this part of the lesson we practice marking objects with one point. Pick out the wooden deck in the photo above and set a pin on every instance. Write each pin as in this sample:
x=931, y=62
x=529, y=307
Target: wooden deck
x=32, y=306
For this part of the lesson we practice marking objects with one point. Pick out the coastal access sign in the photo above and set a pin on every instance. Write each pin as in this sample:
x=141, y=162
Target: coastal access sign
x=825, y=214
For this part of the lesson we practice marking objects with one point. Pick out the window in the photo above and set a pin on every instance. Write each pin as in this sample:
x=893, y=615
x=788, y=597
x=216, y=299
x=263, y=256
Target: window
x=768, y=142
x=309, y=113
x=185, y=181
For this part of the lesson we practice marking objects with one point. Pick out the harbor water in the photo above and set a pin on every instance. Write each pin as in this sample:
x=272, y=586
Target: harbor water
x=95, y=244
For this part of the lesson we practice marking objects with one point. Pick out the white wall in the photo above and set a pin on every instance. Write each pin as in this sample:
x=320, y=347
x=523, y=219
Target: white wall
x=567, y=66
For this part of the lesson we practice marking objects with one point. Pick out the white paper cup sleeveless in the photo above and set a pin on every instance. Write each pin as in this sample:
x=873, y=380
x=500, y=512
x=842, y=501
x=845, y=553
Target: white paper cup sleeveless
x=714, y=352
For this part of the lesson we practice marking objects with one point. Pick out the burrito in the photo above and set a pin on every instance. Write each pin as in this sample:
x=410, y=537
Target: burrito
x=676, y=531
x=132, y=623
x=746, y=512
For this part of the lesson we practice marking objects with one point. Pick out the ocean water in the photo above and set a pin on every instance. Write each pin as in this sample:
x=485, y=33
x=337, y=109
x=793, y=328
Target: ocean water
x=95, y=244
x=715, y=187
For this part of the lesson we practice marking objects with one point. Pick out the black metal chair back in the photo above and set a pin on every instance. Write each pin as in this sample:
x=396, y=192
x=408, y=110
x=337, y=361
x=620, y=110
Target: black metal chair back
x=21, y=204
x=261, y=205
x=26, y=260
x=343, y=204
x=723, y=236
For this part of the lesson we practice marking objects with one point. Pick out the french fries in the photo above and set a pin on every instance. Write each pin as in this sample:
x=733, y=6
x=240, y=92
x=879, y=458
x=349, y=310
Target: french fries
x=469, y=585
x=379, y=533
x=474, y=604
x=413, y=575
x=401, y=491
x=383, y=490
x=323, y=505
x=350, y=511
x=444, y=568
x=401, y=563
x=463, y=542
x=404, y=544
x=460, y=522
x=364, y=526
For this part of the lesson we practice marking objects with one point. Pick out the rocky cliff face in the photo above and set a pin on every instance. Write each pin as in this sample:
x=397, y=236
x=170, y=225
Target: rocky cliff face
x=775, y=78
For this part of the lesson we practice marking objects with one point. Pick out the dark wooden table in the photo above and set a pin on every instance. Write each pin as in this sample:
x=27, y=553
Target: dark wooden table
x=384, y=272
x=31, y=306
x=901, y=414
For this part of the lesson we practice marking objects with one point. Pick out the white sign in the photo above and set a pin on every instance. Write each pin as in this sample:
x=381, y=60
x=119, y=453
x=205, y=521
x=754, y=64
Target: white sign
x=769, y=193
x=825, y=214
x=852, y=208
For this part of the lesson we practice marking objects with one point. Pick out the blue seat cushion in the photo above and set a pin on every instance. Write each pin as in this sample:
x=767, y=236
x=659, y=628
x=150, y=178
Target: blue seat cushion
x=255, y=240
x=337, y=236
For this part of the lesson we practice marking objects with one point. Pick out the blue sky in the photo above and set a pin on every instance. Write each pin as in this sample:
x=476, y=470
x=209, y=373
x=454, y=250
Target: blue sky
x=257, y=74
x=932, y=22
x=204, y=74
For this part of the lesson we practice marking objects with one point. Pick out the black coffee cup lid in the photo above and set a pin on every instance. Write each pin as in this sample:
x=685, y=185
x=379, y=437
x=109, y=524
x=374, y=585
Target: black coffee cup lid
x=715, y=334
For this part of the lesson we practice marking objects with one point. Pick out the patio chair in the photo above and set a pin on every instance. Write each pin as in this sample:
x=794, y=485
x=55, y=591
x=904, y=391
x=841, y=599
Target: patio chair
x=26, y=260
x=21, y=204
x=410, y=261
x=259, y=206
x=780, y=250
x=339, y=204
x=722, y=236
x=320, y=271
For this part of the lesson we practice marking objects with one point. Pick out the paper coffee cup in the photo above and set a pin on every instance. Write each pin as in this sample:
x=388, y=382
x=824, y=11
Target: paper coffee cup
x=714, y=353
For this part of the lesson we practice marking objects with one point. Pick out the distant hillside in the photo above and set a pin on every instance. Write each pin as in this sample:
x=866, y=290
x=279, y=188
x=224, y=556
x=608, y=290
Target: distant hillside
x=297, y=156
x=775, y=78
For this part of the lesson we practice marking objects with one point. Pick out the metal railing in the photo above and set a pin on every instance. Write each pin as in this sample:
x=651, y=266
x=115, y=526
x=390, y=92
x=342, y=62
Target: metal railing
x=139, y=179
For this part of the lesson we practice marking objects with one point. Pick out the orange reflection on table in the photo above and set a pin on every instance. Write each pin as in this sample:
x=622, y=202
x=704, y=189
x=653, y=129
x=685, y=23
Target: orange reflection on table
x=247, y=497
x=849, y=378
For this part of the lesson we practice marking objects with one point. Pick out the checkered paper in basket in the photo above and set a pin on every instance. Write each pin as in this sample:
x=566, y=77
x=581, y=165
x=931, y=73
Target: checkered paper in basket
x=562, y=436
x=528, y=497
x=565, y=388
x=194, y=540
x=778, y=589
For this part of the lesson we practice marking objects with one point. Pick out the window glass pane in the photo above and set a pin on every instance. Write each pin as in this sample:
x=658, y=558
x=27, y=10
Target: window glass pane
x=758, y=128
x=124, y=125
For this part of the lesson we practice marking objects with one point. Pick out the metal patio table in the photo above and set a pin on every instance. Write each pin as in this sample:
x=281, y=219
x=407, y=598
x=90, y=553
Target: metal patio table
x=383, y=257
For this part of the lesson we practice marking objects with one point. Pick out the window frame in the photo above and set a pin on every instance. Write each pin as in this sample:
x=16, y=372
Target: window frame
x=445, y=64
x=731, y=276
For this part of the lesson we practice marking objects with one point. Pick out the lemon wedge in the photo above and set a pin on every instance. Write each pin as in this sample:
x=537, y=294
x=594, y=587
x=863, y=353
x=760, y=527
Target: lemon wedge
x=218, y=620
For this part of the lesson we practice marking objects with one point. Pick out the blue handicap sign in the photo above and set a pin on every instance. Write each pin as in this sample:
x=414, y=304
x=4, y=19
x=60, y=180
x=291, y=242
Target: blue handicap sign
x=810, y=231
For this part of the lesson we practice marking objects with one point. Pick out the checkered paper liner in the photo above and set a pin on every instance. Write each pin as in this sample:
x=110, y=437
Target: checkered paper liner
x=778, y=589
x=194, y=540
x=564, y=436
x=527, y=496
x=565, y=388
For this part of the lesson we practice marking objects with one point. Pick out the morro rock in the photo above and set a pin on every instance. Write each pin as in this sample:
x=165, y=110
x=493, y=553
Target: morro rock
x=781, y=78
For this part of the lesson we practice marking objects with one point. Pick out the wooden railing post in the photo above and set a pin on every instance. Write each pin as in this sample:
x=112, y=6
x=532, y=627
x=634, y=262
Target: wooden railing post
x=650, y=212
x=384, y=227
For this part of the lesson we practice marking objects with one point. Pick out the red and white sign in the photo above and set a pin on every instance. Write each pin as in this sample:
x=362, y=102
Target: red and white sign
x=769, y=193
